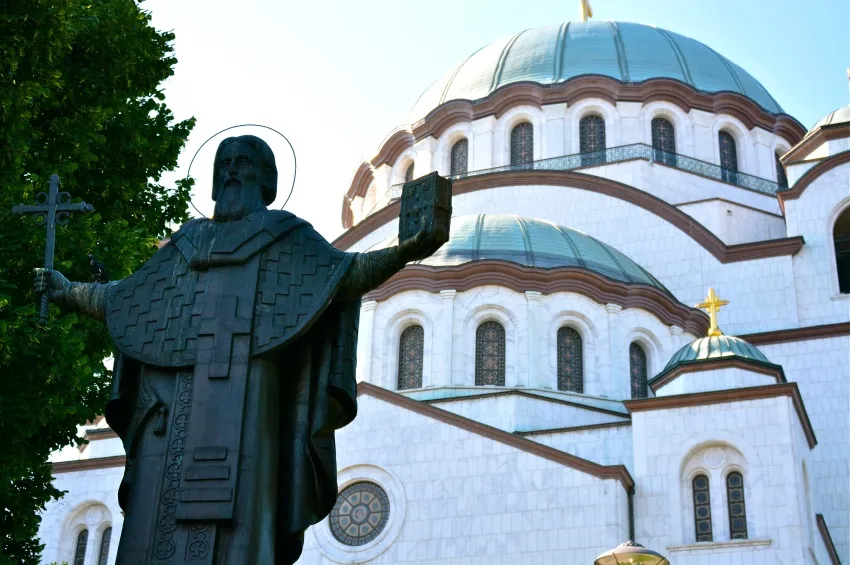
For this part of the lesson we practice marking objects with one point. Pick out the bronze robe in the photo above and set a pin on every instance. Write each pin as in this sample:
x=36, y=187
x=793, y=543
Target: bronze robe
x=235, y=366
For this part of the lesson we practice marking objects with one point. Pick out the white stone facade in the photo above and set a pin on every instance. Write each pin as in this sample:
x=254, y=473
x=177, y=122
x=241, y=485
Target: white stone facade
x=490, y=475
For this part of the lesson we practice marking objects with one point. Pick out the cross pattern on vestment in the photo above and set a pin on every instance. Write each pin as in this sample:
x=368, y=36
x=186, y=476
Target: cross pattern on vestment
x=53, y=207
x=712, y=304
x=222, y=321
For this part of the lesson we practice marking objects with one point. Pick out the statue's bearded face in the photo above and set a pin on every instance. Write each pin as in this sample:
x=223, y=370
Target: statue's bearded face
x=239, y=180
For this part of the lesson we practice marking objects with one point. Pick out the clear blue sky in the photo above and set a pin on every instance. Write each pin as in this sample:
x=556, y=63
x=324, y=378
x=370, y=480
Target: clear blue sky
x=337, y=76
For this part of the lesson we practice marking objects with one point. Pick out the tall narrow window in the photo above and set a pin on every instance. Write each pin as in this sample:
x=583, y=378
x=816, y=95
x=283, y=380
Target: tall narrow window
x=637, y=370
x=841, y=238
x=410, y=353
x=781, y=178
x=80, y=551
x=737, y=506
x=522, y=144
x=570, y=370
x=408, y=174
x=490, y=354
x=728, y=157
x=104, y=547
x=591, y=133
x=702, y=508
x=663, y=141
x=460, y=157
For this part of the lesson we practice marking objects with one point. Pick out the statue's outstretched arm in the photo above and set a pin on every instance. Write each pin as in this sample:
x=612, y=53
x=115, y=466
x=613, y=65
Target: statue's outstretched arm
x=371, y=269
x=86, y=298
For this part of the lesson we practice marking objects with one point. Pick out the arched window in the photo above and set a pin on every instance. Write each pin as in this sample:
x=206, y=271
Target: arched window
x=460, y=157
x=104, y=547
x=702, y=508
x=781, y=178
x=591, y=134
x=490, y=354
x=408, y=174
x=522, y=144
x=570, y=370
x=841, y=238
x=637, y=370
x=80, y=551
x=728, y=157
x=663, y=141
x=737, y=505
x=410, y=353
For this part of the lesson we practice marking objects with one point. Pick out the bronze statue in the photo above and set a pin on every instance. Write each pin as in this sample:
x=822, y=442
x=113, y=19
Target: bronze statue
x=235, y=364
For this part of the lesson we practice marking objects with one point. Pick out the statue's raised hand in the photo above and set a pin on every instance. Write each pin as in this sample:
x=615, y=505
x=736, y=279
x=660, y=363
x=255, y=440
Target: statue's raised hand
x=51, y=282
x=424, y=243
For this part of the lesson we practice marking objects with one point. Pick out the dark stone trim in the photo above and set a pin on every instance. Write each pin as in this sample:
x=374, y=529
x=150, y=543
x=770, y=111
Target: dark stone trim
x=735, y=395
x=725, y=201
x=547, y=281
x=568, y=179
x=810, y=176
x=88, y=464
x=814, y=139
x=827, y=540
x=615, y=472
x=798, y=334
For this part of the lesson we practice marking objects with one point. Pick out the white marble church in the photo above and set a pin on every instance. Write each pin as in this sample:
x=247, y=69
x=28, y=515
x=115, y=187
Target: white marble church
x=544, y=387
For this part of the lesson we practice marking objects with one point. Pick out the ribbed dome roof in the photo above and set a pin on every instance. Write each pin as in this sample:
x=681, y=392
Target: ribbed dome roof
x=627, y=52
x=711, y=348
x=834, y=118
x=533, y=243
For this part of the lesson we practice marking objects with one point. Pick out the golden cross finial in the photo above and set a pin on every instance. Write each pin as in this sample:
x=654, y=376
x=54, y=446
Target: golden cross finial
x=712, y=304
x=584, y=10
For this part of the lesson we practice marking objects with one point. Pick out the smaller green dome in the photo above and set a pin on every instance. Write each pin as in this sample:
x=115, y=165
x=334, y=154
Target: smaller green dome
x=708, y=349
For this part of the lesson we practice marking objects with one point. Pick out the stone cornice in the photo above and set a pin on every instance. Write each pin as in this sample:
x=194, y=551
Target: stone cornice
x=734, y=395
x=811, y=176
x=615, y=472
x=685, y=367
x=571, y=179
x=584, y=428
x=547, y=281
x=527, y=395
x=88, y=464
x=813, y=140
x=798, y=334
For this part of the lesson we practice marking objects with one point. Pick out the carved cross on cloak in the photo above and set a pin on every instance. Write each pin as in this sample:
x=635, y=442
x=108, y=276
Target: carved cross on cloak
x=221, y=320
x=53, y=207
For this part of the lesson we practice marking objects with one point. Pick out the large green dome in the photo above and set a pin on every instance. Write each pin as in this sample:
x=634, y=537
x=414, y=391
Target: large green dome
x=627, y=52
x=532, y=242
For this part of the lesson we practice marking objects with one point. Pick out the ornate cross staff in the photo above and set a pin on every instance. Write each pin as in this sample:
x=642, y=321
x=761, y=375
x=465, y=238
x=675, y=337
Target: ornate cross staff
x=51, y=208
x=712, y=304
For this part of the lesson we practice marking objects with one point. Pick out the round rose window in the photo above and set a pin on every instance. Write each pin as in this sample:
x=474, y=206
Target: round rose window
x=360, y=513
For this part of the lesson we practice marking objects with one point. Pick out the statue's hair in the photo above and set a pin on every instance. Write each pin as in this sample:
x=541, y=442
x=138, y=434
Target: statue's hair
x=269, y=166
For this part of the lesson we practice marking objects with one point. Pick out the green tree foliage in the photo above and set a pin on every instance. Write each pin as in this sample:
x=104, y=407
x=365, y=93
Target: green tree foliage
x=80, y=95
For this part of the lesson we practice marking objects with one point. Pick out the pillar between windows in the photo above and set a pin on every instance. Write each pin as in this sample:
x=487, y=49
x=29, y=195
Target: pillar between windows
x=443, y=375
x=614, y=384
x=364, y=341
x=532, y=297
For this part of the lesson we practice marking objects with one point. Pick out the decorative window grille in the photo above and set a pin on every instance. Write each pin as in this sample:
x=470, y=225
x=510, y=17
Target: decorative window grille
x=408, y=174
x=104, y=547
x=663, y=141
x=410, y=354
x=522, y=144
x=490, y=354
x=702, y=508
x=841, y=239
x=570, y=369
x=591, y=132
x=80, y=551
x=781, y=178
x=737, y=505
x=361, y=513
x=728, y=157
x=637, y=370
x=460, y=157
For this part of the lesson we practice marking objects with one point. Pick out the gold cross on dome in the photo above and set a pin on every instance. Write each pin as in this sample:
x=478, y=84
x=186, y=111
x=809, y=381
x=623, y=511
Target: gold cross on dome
x=585, y=11
x=712, y=304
